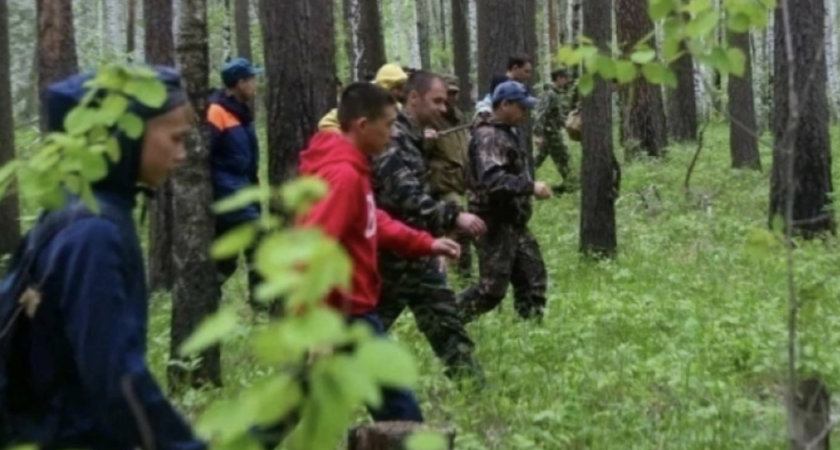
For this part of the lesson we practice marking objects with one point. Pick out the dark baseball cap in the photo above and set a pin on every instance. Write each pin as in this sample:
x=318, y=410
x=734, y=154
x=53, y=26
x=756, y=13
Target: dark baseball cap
x=238, y=69
x=514, y=91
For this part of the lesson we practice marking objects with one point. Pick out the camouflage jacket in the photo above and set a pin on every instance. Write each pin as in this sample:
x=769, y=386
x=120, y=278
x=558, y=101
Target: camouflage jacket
x=401, y=184
x=551, y=112
x=501, y=185
x=448, y=154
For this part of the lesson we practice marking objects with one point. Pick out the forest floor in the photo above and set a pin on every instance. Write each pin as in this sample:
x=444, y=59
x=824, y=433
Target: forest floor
x=680, y=343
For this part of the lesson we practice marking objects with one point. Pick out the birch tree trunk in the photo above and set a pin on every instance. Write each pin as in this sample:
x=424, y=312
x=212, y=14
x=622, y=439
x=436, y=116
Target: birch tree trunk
x=832, y=52
x=461, y=51
x=243, y=29
x=9, y=206
x=743, y=142
x=365, y=42
x=196, y=291
x=160, y=49
x=553, y=33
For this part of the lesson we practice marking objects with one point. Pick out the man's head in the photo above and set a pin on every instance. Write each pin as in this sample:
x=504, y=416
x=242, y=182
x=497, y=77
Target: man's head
x=425, y=97
x=239, y=78
x=519, y=68
x=511, y=103
x=453, y=89
x=366, y=113
x=560, y=77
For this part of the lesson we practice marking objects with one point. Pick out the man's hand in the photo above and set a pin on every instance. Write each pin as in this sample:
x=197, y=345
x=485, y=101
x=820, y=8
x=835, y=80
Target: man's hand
x=541, y=190
x=430, y=134
x=539, y=141
x=446, y=247
x=471, y=223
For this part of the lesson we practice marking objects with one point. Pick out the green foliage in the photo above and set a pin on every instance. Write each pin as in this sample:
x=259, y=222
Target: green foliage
x=688, y=26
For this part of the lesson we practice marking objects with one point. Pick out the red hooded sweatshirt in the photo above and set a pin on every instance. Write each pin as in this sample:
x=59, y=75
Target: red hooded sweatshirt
x=348, y=214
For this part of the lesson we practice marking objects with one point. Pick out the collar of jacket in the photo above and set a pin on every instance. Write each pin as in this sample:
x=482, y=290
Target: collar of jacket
x=407, y=126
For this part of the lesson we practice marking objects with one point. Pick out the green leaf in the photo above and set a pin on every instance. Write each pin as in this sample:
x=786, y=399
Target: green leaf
x=659, y=9
x=643, y=56
x=568, y=56
x=697, y=6
x=656, y=73
x=328, y=268
x=704, y=24
x=389, y=363
x=8, y=171
x=80, y=120
x=739, y=23
x=586, y=84
x=113, y=149
x=279, y=396
x=719, y=59
x=94, y=166
x=234, y=241
x=737, y=61
x=212, y=330
x=302, y=192
x=625, y=71
x=426, y=440
x=606, y=67
x=131, y=124
x=113, y=107
x=86, y=194
x=359, y=388
x=51, y=198
x=769, y=4
x=241, y=198
x=762, y=243
x=148, y=91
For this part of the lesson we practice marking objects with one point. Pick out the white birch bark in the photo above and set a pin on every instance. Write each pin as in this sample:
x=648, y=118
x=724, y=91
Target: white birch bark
x=473, y=22
x=832, y=53
x=410, y=11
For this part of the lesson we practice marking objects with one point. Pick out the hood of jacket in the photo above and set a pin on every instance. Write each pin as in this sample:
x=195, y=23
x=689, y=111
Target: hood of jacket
x=230, y=103
x=390, y=75
x=328, y=148
x=122, y=179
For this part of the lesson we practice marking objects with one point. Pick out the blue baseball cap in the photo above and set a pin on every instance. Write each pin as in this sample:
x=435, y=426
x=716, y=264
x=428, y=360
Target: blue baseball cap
x=514, y=91
x=239, y=69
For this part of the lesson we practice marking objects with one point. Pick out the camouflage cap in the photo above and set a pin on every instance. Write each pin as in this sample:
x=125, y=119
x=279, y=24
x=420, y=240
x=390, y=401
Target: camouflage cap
x=451, y=82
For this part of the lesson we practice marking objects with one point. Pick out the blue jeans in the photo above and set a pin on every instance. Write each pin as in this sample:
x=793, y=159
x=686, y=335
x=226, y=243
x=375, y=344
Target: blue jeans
x=397, y=404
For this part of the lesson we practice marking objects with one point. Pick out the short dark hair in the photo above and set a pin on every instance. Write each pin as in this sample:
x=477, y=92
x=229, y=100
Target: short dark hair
x=360, y=100
x=369, y=76
x=421, y=81
x=518, y=60
x=559, y=73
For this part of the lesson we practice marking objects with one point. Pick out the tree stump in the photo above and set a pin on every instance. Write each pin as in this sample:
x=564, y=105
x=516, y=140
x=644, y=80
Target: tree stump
x=812, y=420
x=390, y=435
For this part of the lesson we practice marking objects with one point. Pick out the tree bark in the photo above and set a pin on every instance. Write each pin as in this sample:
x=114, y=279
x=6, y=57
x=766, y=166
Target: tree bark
x=682, y=104
x=243, y=28
x=422, y=8
x=159, y=47
x=743, y=140
x=298, y=94
x=599, y=166
x=365, y=42
x=461, y=51
x=196, y=288
x=9, y=206
x=809, y=143
x=130, y=28
x=56, y=44
x=553, y=32
x=644, y=115
x=390, y=436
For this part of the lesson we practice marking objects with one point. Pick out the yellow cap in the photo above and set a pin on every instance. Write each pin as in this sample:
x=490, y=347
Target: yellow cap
x=390, y=75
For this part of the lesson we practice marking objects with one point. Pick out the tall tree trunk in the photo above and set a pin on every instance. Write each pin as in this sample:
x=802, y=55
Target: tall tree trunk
x=682, y=104
x=227, y=33
x=196, y=291
x=743, y=142
x=443, y=31
x=243, y=28
x=599, y=166
x=9, y=209
x=56, y=44
x=461, y=51
x=553, y=33
x=130, y=28
x=365, y=43
x=809, y=144
x=422, y=8
x=159, y=47
x=644, y=114
x=298, y=94
x=832, y=52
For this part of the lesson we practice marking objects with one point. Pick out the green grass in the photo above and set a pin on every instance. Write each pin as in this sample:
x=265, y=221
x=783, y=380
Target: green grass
x=680, y=343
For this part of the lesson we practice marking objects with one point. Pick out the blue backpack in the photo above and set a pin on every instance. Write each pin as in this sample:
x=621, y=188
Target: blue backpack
x=19, y=298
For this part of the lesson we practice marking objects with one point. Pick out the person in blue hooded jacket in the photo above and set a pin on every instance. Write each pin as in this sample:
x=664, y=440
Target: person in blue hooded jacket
x=85, y=345
x=234, y=153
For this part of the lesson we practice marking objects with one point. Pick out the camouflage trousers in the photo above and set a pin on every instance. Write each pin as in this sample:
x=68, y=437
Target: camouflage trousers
x=426, y=293
x=464, y=268
x=507, y=254
x=556, y=148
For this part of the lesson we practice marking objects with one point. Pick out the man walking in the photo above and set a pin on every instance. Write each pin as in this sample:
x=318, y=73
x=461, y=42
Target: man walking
x=448, y=163
x=234, y=155
x=500, y=192
x=401, y=184
x=555, y=105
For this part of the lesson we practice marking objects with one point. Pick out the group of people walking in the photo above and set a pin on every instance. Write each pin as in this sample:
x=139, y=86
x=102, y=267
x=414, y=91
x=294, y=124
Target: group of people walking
x=412, y=184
